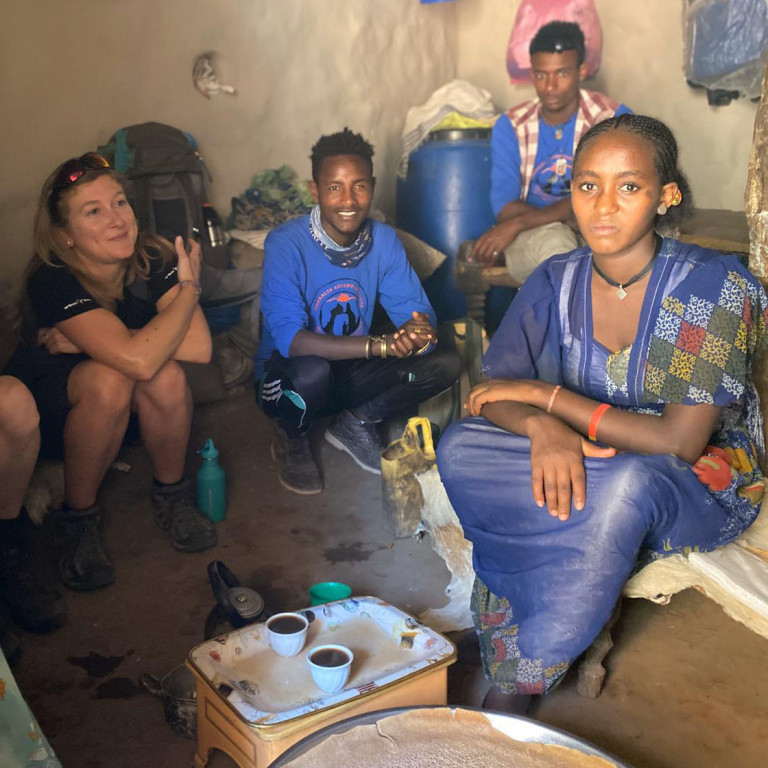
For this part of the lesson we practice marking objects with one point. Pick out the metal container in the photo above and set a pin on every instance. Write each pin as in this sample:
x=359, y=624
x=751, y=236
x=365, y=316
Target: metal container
x=177, y=691
x=518, y=728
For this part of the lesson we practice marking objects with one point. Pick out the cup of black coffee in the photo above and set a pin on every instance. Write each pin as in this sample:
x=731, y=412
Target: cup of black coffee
x=287, y=633
x=330, y=666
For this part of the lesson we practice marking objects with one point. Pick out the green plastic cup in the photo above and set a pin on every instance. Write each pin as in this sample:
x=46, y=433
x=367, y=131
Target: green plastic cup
x=328, y=591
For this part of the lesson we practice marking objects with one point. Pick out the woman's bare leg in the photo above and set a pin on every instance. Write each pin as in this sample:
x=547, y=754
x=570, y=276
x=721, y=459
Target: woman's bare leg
x=32, y=602
x=164, y=407
x=94, y=430
x=19, y=444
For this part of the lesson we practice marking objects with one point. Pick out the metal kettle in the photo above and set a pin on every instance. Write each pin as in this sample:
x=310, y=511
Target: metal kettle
x=236, y=605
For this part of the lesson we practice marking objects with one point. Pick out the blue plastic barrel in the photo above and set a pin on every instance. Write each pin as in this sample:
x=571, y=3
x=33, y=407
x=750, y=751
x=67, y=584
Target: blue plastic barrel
x=445, y=200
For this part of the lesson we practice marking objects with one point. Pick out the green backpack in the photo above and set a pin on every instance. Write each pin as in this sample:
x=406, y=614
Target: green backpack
x=166, y=177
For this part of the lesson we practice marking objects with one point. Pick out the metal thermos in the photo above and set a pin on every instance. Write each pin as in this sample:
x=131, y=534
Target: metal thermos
x=213, y=228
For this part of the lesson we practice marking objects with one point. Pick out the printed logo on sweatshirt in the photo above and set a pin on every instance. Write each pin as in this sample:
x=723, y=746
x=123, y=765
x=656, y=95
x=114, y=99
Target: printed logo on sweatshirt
x=338, y=308
x=552, y=178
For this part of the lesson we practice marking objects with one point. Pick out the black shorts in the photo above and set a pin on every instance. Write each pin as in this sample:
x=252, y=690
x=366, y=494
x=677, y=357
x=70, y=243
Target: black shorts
x=46, y=376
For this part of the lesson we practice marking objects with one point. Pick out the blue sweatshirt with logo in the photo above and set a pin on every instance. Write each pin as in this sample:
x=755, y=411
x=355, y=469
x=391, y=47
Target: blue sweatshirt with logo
x=302, y=290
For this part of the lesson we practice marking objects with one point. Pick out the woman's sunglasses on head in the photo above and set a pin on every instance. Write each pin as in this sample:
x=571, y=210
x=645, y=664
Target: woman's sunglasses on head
x=70, y=172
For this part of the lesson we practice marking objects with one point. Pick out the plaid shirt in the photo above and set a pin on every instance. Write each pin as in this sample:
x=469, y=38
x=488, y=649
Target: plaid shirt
x=594, y=107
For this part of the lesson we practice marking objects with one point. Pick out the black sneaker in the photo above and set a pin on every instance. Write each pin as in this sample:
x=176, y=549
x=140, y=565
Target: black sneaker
x=358, y=438
x=296, y=469
x=176, y=514
x=83, y=563
x=34, y=604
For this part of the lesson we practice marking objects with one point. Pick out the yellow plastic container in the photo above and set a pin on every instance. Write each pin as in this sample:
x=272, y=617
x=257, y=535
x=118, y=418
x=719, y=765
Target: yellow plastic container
x=401, y=462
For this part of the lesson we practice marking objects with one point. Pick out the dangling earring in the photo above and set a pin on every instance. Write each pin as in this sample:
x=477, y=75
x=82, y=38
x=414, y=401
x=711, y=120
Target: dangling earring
x=662, y=209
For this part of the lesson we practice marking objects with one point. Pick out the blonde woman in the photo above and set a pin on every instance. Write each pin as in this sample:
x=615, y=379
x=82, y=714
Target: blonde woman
x=113, y=311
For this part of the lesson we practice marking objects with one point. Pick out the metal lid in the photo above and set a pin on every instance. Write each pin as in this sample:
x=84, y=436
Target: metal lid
x=247, y=602
x=459, y=134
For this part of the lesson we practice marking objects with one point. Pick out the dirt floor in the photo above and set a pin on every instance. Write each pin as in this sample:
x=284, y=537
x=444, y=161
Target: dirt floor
x=687, y=686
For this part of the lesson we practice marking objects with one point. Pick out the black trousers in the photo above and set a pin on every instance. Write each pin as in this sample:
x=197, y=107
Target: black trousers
x=295, y=390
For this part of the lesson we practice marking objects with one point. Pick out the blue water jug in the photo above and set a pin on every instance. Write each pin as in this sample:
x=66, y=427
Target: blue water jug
x=445, y=200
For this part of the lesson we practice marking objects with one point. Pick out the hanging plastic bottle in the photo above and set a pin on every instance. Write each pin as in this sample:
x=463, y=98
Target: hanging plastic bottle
x=213, y=228
x=211, y=485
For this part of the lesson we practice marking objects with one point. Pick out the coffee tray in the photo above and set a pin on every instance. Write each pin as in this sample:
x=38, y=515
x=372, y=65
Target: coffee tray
x=389, y=646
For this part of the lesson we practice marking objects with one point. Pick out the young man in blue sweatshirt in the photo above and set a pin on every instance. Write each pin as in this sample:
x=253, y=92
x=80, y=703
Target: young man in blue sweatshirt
x=323, y=274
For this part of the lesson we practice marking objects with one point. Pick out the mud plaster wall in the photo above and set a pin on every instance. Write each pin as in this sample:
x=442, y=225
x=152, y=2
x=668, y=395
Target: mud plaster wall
x=643, y=67
x=73, y=72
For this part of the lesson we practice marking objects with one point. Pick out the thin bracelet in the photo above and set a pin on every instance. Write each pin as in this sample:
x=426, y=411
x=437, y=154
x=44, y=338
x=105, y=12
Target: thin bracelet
x=552, y=398
x=597, y=414
x=383, y=347
x=368, y=348
x=195, y=285
x=426, y=348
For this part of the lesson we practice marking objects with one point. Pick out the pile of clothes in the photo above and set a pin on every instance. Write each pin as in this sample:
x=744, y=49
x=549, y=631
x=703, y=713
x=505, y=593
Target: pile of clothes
x=275, y=195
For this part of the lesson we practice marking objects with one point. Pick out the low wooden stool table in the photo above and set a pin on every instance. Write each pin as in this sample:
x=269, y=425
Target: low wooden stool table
x=253, y=705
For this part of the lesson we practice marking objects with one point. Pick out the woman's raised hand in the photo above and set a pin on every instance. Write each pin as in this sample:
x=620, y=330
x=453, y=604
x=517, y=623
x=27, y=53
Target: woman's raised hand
x=557, y=466
x=189, y=260
x=499, y=390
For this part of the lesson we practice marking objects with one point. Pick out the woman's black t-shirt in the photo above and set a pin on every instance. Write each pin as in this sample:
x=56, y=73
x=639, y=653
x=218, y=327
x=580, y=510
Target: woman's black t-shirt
x=55, y=294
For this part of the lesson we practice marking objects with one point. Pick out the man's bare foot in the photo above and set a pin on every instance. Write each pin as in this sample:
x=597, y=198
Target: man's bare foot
x=510, y=703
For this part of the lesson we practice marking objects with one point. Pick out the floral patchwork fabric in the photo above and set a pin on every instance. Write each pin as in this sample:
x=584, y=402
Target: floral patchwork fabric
x=504, y=665
x=616, y=370
x=708, y=331
x=704, y=337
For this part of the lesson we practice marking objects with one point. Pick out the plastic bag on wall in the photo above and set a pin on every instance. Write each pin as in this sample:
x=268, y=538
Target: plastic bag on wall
x=726, y=42
x=534, y=14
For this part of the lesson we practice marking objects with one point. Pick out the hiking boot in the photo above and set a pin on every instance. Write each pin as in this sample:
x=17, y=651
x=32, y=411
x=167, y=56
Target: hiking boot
x=83, y=564
x=33, y=604
x=296, y=469
x=358, y=438
x=176, y=514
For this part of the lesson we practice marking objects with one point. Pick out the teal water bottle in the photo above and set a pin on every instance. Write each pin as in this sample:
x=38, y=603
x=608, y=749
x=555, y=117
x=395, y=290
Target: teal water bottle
x=211, y=485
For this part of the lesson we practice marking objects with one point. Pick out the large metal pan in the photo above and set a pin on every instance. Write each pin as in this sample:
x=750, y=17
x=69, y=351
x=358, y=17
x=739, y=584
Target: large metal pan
x=519, y=728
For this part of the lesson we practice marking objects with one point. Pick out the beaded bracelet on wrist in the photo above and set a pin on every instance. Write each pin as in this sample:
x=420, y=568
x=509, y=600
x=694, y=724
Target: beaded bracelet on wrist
x=196, y=286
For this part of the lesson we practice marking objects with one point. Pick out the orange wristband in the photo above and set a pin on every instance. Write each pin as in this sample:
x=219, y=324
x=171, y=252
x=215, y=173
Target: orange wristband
x=594, y=420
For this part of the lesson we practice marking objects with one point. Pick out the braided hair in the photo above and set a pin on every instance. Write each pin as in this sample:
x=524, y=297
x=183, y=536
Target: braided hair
x=664, y=159
x=342, y=143
x=557, y=37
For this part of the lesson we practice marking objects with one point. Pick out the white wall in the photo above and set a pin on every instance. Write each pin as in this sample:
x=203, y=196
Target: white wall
x=73, y=72
x=643, y=67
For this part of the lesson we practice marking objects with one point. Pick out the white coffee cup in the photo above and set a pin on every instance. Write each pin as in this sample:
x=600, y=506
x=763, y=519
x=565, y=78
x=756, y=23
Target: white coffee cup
x=330, y=666
x=287, y=633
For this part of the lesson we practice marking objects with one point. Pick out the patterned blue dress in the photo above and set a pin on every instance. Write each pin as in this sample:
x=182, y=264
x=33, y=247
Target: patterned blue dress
x=545, y=588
